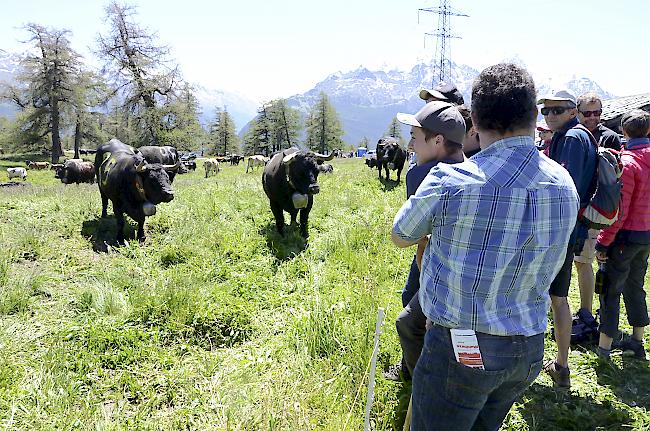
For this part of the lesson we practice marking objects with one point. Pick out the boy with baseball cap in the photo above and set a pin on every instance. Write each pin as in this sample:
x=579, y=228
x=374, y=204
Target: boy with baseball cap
x=437, y=133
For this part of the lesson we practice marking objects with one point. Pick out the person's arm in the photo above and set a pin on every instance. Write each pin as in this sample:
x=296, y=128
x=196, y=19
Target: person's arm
x=422, y=244
x=414, y=221
x=573, y=158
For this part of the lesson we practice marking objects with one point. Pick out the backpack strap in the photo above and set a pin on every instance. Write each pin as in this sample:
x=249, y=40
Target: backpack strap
x=592, y=138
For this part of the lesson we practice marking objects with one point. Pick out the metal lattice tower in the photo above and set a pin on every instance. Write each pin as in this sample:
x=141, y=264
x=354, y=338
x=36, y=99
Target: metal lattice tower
x=442, y=33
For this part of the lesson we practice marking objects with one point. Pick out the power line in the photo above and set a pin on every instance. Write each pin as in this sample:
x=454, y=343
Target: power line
x=442, y=33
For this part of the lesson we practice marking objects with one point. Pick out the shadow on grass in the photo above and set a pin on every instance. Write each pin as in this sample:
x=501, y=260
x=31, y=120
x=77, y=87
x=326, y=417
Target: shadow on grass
x=284, y=247
x=102, y=233
x=548, y=409
x=388, y=184
x=631, y=383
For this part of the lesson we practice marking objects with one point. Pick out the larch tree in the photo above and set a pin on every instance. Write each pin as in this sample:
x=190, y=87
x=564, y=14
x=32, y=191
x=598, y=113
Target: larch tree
x=324, y=131
x=223, y=135
x=258, y=137
x=44, y=86
x=144, y=76
x=395, y=129
x=180, y=121
x=285, y=125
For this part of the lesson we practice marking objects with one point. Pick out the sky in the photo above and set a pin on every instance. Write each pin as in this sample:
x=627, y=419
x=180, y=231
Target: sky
x=266, y=49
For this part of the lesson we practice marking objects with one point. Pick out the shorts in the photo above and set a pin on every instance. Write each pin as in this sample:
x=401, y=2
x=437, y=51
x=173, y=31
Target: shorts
x=560, y=284
x=588, y=251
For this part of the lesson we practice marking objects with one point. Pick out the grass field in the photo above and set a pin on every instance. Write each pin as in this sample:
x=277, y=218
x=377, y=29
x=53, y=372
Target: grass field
x=217, y=323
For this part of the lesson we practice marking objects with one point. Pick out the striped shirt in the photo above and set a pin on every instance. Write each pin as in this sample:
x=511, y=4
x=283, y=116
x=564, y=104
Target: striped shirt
x=499, y=224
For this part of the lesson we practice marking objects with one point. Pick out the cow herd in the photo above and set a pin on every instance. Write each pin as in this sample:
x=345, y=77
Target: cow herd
x=136, y=180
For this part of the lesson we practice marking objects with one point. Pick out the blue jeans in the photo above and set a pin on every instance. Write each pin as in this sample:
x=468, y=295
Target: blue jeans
x=412, y=284
x=451, y=396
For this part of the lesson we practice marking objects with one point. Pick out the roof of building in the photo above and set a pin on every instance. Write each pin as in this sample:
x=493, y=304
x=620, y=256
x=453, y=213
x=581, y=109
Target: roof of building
x=613, y=108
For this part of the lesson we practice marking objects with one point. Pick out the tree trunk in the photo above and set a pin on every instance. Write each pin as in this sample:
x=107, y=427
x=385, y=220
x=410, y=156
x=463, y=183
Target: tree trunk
x=56, y=139
x=77, y=137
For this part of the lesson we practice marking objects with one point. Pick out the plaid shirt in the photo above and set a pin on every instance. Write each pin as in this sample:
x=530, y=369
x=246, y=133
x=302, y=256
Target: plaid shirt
x=499, y=224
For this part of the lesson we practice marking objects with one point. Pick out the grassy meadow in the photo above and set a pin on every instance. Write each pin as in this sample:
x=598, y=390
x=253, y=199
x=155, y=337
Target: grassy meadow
x=218, y=323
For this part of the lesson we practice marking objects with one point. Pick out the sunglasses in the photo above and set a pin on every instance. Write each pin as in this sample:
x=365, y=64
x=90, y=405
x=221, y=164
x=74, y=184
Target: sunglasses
x=595, y=113
x=556, y=110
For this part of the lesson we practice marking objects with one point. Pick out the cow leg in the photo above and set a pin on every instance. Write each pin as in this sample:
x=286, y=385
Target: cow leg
x=399, y=172
x=141, y=236
x=304, y=218
x=294, y=215
x=104, y=204
x=119, y=215
x=279, y=217
x=379, y=167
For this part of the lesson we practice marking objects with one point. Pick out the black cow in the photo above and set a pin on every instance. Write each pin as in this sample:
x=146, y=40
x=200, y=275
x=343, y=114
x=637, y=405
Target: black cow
x=290, y=181
x=162, y=155
x=76, y=171
x=134, y=186
x=235, y=159
x=390, y=156
x=371, y=162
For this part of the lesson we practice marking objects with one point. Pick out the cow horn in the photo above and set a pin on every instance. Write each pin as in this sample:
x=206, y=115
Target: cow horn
x=141, y=166
x=324, y=158
x=288, y=158
x=172, y=167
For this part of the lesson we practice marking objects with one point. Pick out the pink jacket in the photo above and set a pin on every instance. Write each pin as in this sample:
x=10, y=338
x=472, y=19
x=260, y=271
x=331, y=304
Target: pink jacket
x=634, y=214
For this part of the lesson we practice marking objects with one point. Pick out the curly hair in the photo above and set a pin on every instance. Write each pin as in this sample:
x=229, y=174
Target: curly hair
x=504, y=99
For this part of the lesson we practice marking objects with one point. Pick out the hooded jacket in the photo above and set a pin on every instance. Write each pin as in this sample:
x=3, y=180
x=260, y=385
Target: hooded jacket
x=633, y=224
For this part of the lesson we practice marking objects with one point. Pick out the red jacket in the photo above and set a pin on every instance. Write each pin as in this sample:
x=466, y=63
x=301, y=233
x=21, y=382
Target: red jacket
x=634, y=214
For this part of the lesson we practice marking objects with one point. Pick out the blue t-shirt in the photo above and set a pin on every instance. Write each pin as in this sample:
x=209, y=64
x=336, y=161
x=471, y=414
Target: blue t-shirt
x=416, y=174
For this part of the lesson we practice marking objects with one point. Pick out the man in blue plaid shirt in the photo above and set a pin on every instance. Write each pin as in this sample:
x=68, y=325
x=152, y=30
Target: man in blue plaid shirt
x=496, y=229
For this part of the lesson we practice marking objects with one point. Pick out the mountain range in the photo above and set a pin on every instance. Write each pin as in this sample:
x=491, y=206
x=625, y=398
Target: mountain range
x=366, y=100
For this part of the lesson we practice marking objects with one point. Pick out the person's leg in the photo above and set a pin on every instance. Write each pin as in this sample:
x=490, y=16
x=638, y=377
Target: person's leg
x=634, y=294
x=562, y=325
x=617, y=270
x=558, y=369
x=411, y=324
x=528, y=364
x=446, y=394
x=584, y=268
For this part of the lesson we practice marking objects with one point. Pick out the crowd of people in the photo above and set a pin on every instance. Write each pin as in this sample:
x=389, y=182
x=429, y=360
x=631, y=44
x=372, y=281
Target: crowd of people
x=496, y=222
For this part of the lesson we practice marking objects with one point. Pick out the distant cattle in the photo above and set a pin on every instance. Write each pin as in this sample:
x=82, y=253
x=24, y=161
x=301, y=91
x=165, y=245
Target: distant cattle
x=326, y=168
x=290, y=181
x=235, y=159
x=211, y=166
x=255, y=161
x=166, y=155
x=87, y=151
x=76, y=171
x=37, y=166
x=371, y=162
x=390, y=156
x=190, y=165
x=133, y=185
x=17, y=173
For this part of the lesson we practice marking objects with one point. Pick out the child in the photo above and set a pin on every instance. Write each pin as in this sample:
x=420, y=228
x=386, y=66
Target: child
x=625, y=245
x=437, y=133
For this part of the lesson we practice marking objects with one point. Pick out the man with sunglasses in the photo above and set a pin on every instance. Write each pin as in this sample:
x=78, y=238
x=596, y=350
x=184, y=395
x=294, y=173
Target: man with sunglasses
x=590, y=107
x=572, y=148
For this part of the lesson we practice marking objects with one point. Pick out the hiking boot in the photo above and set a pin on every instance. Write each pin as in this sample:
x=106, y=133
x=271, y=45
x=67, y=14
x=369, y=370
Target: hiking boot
x=396, y=373
x=633, y=348
x=583, y=315
x=560, y=375
x=604, y=354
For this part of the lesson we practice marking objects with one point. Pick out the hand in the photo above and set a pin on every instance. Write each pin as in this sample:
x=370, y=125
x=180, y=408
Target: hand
x=422, y=244
x=601, y=256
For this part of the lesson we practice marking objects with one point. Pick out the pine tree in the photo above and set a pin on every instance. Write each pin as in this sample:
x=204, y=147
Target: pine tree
x=324, y=129
x=257, y=139
x=181, y=127
x=364, y=142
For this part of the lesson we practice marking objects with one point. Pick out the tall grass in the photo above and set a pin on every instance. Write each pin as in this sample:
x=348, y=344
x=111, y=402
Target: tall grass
x=217, y=322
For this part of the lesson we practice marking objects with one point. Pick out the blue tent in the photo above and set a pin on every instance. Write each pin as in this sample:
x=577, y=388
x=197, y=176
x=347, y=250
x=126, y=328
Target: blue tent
x=361, y=151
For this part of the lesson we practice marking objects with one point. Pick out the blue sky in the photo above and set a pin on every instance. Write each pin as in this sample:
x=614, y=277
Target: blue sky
x=269, y=49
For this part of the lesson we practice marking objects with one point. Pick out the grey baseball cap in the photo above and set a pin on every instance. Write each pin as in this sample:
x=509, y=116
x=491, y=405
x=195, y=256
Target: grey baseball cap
x=440, y=117
x=559, y=96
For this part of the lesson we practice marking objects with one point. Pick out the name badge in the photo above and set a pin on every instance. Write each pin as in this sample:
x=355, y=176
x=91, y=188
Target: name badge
x=466, y=348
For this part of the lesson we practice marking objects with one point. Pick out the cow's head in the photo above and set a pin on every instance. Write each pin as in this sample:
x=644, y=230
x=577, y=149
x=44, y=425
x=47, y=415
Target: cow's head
x=152, y=181
x=389, y=151
x=302, y=169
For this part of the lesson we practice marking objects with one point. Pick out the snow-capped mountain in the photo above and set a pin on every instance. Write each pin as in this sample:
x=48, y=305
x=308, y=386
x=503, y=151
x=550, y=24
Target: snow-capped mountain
x=367, y=101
